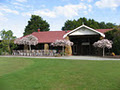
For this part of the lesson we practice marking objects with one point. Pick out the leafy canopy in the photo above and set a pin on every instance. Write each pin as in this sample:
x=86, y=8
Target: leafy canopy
x=72, y=24
x=114, y=35
x=62, y=43
x=35, y=23
x=7, y=43
x=103, y=43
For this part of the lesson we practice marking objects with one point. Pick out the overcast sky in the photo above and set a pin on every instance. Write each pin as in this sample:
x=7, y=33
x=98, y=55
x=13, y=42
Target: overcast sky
x=14, y=14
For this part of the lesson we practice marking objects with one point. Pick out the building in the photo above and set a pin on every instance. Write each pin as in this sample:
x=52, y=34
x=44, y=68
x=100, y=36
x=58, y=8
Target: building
x=83, y=38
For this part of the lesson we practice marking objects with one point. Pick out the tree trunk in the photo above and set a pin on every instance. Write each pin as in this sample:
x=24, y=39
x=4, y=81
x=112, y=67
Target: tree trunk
x=26, y=47
x=30, y=47
x=103, y=52
x=9, y=49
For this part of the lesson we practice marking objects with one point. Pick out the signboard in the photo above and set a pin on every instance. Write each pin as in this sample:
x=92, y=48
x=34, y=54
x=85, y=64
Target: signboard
x=85, y=43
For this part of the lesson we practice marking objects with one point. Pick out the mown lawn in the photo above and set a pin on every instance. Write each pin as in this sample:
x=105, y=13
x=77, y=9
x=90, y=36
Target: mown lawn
x=53, y=74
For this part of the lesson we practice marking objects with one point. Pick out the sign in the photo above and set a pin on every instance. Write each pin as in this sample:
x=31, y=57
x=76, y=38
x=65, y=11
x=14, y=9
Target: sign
x=85, y=43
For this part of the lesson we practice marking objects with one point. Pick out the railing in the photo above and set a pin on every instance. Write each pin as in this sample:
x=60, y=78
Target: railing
x=34, y=52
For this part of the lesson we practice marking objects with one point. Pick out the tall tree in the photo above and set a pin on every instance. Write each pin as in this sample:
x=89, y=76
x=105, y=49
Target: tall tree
x=72, y=24
x=102, y=25
x=7, y=43
x=110, y=25
x=114, y=35
x=35, y=23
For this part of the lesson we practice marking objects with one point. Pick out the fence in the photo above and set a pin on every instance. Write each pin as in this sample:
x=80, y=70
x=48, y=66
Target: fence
x=34, y=52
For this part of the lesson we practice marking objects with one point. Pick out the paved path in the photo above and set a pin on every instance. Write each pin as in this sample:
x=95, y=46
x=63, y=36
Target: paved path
x=70, y=57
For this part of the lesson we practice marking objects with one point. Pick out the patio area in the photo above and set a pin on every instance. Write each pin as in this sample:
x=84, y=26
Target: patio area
x=34, y=52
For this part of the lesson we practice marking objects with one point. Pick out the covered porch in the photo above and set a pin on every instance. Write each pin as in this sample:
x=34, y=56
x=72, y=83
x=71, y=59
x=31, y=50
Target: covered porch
x=83, y=38
x=83, y=45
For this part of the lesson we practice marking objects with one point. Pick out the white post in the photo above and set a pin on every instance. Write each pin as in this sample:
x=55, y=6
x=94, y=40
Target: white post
x=63, y=51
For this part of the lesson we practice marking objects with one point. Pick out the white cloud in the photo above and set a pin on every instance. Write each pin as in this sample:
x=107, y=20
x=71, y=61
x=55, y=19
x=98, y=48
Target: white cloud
x=85, y=12
x=3, y=19
x=18, y=7
x=87, y=0
x=90, y=0
x=19, y=4
x=26, y=14
x=68, y=11
x=5, y=9
x=45, y=12
x=1, y=14
x=113, y=4
x=21, y=0
x=10, y=11
x=89, y=8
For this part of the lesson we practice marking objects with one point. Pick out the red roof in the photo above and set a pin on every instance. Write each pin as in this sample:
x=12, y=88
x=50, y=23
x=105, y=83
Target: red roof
x=103, y=30
x=51, y=36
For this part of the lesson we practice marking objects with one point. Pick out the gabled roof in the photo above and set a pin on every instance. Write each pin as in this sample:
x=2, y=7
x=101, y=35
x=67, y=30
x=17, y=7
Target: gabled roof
x=51, y=36
x=103, y=35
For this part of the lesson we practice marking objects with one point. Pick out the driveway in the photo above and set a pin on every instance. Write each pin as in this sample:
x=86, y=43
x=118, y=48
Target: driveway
x=70, y=57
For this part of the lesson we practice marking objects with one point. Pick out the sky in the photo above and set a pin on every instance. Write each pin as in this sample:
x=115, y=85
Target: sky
x=15, y=14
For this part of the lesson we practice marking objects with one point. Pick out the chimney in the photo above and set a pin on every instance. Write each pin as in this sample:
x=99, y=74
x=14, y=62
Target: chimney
x=38, y=30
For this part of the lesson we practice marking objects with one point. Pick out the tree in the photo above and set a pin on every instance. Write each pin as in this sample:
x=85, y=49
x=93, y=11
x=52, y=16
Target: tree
x=114, y=35
x=62, y=43
x=116, y=41
x=104, y=43
x=110, y=25
x=7, y=41
x=111, y=34
x=28, y=40
x=72, y=24
x=102, y=25
x=35, y=23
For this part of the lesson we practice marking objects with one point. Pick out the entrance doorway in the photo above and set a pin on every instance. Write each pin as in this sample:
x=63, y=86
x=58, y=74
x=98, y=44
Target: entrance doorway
x=83, y=45
x=85, y=48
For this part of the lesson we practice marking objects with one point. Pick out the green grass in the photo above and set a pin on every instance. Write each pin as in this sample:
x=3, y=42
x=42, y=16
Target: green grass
x=53, y=74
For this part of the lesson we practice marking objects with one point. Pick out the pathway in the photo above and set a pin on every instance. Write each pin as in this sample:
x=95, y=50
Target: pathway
x=70, y=57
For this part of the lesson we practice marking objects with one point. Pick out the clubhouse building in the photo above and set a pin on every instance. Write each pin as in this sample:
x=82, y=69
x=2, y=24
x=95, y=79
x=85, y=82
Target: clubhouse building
x=83, y=38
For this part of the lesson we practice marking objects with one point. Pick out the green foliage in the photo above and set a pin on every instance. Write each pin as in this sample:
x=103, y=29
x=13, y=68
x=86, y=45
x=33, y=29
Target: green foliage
x=7, y=43
x=110, y=34
x=116, y=41
x=114, y=35
x=72, y=24
x=35, y=23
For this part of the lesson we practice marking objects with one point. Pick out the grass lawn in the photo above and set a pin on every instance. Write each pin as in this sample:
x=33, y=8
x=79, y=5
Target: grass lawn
x=54, y=74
